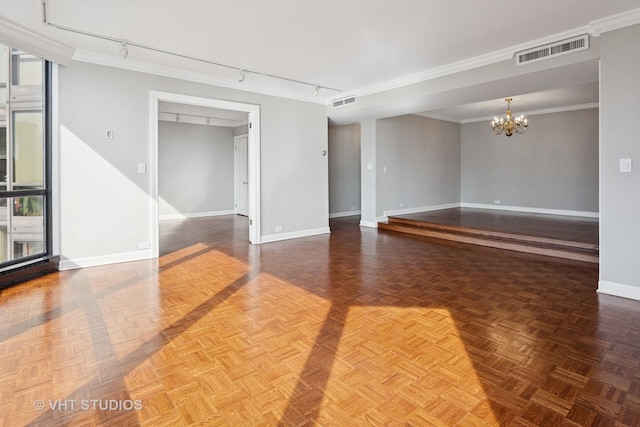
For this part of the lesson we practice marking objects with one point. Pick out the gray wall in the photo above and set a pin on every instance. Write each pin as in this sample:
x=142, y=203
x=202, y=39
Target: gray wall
x=241, y=130
x=344, y=169
x=106, y=206
x=620, y=193
x=422, y=160
x=552, y=166
x=195, y=168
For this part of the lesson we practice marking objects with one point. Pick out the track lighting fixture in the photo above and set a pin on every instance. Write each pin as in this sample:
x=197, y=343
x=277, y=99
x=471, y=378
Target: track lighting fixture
x=177, y=117
x=123, y=50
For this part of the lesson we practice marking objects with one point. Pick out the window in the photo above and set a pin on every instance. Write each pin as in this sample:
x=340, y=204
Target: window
x=25, y=196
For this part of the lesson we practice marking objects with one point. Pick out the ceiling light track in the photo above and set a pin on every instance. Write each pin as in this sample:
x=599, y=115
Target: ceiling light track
x=123, y=46
x=199, y=117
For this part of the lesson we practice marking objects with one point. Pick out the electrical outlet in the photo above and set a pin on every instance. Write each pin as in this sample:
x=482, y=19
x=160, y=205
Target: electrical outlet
x=278, y=228
x=143, y=245
x=497, y=202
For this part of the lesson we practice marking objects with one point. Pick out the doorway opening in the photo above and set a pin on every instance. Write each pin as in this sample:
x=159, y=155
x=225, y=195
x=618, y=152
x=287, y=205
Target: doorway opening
x=158, y=99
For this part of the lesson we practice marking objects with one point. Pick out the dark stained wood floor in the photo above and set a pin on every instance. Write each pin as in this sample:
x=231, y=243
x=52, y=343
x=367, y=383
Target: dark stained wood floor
x=574, y=228
x=353, y=328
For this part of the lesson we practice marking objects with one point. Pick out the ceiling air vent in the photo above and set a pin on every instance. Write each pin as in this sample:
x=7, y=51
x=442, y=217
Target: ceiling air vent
x=343, y=101
x=553, y=49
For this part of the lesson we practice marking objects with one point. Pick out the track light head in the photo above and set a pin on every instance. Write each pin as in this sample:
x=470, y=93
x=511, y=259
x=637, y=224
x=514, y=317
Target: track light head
x=241, y=76
x=316, y=90
x=177, y=117
x=123, y=50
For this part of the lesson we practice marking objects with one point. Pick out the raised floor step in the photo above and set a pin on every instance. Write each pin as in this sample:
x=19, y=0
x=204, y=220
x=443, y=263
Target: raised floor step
x=580, y=251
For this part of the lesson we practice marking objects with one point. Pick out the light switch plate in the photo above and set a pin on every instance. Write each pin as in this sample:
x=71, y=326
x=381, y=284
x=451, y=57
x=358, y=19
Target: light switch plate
x=142, y=168
x=625, y=165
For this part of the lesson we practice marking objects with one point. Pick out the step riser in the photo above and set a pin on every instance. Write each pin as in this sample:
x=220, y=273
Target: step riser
x=489, y=234
x=493, y=244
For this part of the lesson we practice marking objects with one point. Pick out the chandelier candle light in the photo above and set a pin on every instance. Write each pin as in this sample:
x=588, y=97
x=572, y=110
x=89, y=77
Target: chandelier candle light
x=510, y=124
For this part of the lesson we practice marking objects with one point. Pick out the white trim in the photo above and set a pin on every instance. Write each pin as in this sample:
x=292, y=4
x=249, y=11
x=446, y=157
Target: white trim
x=369, y=224
x=407, y=211
x=254, y=157
x=615, y=22
x=195, y=215
x=343, y=214
x=55, y=161
x=295, y=234
x=594, y=28
x=72, y=264
x=618, y=290
x=464, y=65
x=584, y=214
x=175, y=73
x=16, y=35
x=538, y=112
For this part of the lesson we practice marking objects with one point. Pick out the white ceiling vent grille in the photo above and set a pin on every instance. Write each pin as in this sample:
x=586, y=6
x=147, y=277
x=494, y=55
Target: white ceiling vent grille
x=344, y=101
x=553, y=49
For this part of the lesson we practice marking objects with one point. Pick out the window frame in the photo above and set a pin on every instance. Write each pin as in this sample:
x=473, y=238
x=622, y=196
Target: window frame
x=18, y=269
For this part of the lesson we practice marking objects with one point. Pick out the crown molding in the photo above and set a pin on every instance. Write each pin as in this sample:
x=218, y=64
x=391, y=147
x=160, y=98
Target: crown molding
x=16, y=35
x=615, y=22
x=594, y=28
x=175, y=73
x=464, y=65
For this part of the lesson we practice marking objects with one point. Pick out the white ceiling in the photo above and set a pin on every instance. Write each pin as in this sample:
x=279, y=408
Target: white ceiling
x=574, y=97
x=348, y=45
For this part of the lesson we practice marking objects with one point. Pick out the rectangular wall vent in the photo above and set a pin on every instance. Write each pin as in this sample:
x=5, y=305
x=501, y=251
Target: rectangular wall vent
x=551, y=50
x=344, y=101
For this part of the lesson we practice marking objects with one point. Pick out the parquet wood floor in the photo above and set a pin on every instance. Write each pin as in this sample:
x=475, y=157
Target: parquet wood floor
x=353, y=328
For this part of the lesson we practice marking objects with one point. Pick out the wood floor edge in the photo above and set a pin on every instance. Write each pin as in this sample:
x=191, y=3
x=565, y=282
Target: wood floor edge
x=493, y=233
x=517, y=247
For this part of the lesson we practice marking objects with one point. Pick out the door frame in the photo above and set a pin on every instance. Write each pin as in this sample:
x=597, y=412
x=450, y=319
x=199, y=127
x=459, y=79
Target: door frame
x=253, y=153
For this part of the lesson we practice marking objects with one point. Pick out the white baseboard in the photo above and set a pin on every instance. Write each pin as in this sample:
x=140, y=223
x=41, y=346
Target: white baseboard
x=294, y=235
x=564, y=212
x=72, y=264
x=619, y=290
x=195, y=215
x=342, y=214
x=370, y=224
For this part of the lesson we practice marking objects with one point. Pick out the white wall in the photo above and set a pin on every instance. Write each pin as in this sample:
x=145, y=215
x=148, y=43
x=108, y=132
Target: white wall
x=417, y=163
x=106, y=205
x=344, y=170
x=195, y=169
x=619, y=139
x=552, y=166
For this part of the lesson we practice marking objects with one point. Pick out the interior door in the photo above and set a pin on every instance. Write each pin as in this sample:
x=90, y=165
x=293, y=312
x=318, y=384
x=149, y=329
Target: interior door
x=241, y=165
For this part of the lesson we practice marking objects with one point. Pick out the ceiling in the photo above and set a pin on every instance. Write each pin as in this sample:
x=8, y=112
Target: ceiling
x=346, y=45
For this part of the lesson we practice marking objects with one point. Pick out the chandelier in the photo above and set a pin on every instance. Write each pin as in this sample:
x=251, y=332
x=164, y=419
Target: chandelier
x=509, y=125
